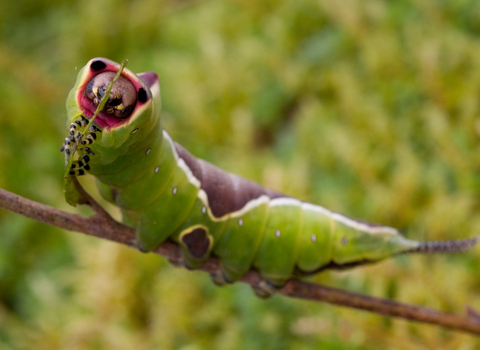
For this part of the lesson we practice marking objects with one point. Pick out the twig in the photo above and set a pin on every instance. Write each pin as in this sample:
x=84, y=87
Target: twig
x=103, y=226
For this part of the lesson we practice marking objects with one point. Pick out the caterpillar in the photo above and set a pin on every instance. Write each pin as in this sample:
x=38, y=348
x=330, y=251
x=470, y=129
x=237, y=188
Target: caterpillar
x=164, y=192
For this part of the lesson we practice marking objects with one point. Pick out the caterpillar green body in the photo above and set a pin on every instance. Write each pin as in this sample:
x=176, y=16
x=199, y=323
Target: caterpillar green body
x=166, y=193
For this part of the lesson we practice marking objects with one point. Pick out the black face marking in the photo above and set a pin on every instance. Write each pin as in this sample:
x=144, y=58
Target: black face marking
x=142, y=95
x=97, y=65
x=197, y=242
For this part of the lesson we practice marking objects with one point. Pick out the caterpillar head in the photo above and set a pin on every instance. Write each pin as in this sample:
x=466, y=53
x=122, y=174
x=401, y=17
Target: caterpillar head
x=128, y=119
x=130, y=103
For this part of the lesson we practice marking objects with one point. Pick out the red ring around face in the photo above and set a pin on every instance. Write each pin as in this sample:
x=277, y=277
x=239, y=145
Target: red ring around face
x=100, y=65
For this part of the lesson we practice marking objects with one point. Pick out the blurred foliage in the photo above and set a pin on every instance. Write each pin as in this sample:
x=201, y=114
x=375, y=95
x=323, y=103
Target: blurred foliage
x=368, y=107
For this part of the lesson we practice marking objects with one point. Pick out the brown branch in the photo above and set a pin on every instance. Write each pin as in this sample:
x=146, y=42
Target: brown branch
x=103, y=226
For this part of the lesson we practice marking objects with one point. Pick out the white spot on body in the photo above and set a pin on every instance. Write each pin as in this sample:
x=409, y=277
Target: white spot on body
x=174, y=190
x=134, y=131
x=277, y=233
x=204, y=210
x=157, y=169
x=240, y=222
x=313, y=237
x=148, y=151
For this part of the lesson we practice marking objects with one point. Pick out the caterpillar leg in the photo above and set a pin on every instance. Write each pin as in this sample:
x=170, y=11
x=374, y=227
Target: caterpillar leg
x=67, y=145
x=219, y=278
x=80, y=123
x=76, y=130
x=265, y=289
x=87, y=151
x=80, y=166
x=225, y=276
x=91, y=136
x=180, y=263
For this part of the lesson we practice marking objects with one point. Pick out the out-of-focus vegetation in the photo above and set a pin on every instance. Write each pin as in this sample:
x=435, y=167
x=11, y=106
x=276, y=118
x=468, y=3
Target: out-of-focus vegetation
x=368, y=107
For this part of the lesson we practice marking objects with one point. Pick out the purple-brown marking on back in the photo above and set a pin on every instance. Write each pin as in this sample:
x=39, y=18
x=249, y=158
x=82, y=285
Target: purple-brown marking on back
x=149, y=78
x=226, y=192
x=197, y=242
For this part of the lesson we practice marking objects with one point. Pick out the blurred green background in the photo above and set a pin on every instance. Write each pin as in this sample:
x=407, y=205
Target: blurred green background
x=370, y=108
